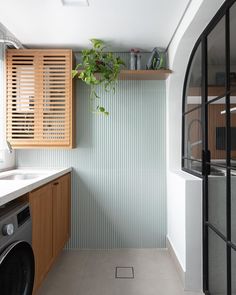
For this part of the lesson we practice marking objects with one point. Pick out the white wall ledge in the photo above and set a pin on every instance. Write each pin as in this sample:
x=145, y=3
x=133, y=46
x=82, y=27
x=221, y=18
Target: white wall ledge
x=185, y=175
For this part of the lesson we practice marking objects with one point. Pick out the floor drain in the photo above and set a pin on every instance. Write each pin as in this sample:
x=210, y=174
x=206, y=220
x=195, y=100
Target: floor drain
x=124, y=272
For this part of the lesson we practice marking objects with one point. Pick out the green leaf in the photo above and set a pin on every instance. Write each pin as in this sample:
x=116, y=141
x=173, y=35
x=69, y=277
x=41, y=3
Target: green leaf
x=101, y=109
x=106, y=64
x=87, y=80
x=81, y=75
x=78, y=66
x=74, y=73
x=96, y=95
x=98, y=44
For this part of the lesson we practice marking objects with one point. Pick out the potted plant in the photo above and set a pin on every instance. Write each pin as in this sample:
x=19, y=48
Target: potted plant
x=98, y=68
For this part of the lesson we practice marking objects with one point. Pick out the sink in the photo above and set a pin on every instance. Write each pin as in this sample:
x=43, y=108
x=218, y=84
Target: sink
x=20, y=176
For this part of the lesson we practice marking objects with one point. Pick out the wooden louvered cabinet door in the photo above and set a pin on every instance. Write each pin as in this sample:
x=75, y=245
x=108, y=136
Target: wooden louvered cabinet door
x=56, y=97
x=39, y=98
x=21, y=94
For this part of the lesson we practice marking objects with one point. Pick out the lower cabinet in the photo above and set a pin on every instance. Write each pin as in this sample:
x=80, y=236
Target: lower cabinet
x=50, y=210
x=61, y=213
x=42, y=230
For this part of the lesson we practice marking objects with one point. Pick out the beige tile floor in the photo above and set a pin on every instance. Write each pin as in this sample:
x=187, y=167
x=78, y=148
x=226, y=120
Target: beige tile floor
x=93, y=273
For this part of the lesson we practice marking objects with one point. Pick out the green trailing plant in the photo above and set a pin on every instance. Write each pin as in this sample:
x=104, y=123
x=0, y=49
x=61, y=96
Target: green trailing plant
x=98, y=68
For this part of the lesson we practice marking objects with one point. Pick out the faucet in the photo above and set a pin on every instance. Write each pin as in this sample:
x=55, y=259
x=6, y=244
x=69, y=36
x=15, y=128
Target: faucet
x=9, y=147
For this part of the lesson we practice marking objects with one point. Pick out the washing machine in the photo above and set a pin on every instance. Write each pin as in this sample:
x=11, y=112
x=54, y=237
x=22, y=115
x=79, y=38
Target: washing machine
x=16, y=254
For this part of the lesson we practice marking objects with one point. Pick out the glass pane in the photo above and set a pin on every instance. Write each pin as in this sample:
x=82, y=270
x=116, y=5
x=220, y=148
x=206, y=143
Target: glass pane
x=193, y=165
x=194, y=82
x=216, y=61
x=217, y=131
x=233, y=47
x=233, y=206
x=233, y=129
x=233, y=267
x=217, y=198
x=217, y=265
x=193, y=135
x=233, y=83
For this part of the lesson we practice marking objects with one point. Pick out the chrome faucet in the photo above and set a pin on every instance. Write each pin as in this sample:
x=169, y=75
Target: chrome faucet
x=9, y=147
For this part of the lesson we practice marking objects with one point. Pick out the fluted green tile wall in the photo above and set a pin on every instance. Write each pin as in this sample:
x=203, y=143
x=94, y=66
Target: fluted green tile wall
x=119, y=176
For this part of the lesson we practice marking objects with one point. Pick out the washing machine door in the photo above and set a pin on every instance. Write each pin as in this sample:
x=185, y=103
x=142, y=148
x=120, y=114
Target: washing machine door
x=17, y=269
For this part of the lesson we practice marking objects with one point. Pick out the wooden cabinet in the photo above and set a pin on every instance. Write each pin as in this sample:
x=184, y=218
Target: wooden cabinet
x=50, y=210
x=61, y=213
x=39, y=98
x=42, y=230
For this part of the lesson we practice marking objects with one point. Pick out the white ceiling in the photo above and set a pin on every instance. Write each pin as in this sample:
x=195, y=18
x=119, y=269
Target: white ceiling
x=122, y=23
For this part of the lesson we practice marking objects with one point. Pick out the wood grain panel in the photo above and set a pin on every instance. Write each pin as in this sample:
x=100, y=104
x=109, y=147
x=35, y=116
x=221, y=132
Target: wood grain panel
x=212, y=91
x=39, y=94
x=41, y=204
x=216, y=119
x=143, y=74
x=50, y=210
x=61, y=213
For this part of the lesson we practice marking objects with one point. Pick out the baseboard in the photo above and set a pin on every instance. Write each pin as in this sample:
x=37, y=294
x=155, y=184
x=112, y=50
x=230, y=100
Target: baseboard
x=178, y=266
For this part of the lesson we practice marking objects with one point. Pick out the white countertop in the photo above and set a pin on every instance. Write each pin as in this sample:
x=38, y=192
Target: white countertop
x=12, y=189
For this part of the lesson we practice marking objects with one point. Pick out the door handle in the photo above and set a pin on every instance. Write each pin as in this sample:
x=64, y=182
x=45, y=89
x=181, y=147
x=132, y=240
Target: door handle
x=206, y=158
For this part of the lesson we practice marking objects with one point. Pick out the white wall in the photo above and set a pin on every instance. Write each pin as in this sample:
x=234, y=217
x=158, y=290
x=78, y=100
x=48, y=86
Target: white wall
x=176, y=216
x=184, y=225
x=7, y=160
x=184, y=192
x=119, y=165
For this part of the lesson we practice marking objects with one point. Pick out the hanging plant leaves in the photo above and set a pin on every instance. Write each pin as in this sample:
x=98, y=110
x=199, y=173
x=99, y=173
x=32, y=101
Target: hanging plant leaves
x=98, y=68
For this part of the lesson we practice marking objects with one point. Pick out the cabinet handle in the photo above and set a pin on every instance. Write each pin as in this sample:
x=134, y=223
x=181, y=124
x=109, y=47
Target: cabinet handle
x=55, y=183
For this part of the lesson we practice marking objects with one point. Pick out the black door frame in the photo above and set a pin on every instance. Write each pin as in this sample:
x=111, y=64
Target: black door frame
x=202, y=41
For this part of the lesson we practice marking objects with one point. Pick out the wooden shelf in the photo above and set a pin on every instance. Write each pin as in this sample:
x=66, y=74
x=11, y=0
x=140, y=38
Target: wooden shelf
x=144, y=74
x=213, y=90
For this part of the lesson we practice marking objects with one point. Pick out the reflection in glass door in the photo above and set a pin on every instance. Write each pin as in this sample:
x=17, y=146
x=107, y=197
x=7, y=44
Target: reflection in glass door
x=232, y=155
x=220, y=146
x=216, y=105
x=209, y=125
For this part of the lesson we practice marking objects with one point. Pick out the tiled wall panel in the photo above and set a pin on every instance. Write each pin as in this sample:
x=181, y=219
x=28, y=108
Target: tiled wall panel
x=119, y=176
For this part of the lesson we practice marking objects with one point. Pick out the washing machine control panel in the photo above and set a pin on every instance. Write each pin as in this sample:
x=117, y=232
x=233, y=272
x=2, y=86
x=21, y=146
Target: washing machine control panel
x=8, y=229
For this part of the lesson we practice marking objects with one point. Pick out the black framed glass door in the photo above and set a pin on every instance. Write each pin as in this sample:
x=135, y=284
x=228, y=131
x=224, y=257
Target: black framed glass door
x=209, y=144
